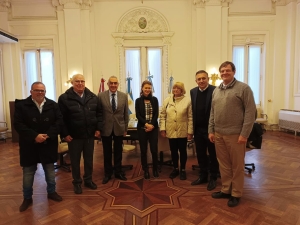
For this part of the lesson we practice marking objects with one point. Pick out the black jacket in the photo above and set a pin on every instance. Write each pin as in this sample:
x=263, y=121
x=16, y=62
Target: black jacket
x=81, y=118
x=29, y=122
x=141, y=113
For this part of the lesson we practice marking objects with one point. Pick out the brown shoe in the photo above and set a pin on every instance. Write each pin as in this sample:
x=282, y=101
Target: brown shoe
x=25, y=204
x=55, y=197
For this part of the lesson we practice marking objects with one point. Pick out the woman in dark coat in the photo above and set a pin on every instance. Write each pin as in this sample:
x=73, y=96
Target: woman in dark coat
x=146, y=108
x=38, y=121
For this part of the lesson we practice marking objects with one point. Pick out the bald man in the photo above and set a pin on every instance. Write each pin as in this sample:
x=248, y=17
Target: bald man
x=82, y=117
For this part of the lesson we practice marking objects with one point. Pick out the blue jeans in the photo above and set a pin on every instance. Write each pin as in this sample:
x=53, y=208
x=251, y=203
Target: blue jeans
x=28, y=177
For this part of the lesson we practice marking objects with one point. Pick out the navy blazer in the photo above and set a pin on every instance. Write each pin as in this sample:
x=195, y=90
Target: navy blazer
x=193, y=93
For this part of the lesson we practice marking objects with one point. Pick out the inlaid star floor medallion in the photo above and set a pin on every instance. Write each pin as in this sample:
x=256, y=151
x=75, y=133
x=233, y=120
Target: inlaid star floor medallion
x=141, y=197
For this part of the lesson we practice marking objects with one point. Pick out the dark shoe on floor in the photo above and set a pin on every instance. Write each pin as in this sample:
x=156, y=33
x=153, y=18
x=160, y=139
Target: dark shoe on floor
x=212, y=184
x=146, y=175
x=77, y=189
x=120, y=176
x=182, y=175
x=55, y=197
x=25, y=204
x=106, y=179
x=200, y=180
x=220, y=194
x=174, y=173
x=91, y=185
x=155, y=174
x=233, y=201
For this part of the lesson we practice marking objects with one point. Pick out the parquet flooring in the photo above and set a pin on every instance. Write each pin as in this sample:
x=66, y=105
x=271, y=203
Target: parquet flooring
x=271, y=193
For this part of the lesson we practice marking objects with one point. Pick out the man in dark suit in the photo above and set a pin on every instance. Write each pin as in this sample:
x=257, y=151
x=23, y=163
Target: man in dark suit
x=115, y=123
x=201, y=103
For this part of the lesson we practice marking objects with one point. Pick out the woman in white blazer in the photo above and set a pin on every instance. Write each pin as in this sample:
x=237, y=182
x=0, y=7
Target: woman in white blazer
x=176, y=123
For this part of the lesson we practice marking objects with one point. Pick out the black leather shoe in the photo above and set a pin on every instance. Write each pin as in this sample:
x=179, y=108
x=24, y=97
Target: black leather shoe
x=25, y=204
x=233, y=201
x=55, y=197
x=182, y=175
x=120, y=176
x=174, y=173
x=106, y=179
x=91, y=185
x=212, y=184
x=155, y=174
x=200, y=180
x=77, y=189
x=146, y=175
x=220, y=194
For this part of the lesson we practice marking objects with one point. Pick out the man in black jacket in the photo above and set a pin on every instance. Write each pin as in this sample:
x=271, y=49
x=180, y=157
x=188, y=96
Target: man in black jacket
x=201, y=97
x=38, y=121
x=82, y=117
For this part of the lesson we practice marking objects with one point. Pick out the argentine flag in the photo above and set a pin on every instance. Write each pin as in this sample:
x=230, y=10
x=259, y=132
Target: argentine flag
x=131, y=108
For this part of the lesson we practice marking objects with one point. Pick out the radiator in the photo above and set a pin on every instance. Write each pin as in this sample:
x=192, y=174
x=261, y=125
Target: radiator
x=289, y=119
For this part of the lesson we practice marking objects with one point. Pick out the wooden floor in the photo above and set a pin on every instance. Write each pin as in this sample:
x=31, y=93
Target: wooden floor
x=271, y=193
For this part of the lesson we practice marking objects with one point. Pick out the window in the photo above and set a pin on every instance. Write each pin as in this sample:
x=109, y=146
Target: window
x=136, y=59
x=39, y=67
x=248, y=61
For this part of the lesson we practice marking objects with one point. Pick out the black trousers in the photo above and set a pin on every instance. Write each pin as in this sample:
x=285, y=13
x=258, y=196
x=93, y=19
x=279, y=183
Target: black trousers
x=202, y=145
x=175, y=145
x=108, y=142
x=152, y=138
x=86, y=147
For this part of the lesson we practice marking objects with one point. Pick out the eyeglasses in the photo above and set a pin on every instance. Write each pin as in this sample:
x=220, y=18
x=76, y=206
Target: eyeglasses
x=39, y=91
x=113, y=83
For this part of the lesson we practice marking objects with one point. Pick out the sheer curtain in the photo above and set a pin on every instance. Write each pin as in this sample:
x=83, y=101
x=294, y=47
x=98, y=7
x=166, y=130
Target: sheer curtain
x=154, y=56
x=2, y=108
x=254, y=71
x=238, y=60
x=132, y=60
x=39, y=67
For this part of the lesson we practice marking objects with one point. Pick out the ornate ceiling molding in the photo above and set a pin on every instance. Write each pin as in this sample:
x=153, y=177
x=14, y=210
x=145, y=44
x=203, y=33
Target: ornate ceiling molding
x=5, y=5
x=83, y=4
x=283, y=2
x=142, y=20
x=211, y=2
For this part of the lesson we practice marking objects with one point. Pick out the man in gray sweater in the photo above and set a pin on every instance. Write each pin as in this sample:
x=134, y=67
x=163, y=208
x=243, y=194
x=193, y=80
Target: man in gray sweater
x=231, y=120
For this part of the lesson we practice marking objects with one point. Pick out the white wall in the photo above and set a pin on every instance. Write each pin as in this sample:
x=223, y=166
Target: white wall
x=82, y=40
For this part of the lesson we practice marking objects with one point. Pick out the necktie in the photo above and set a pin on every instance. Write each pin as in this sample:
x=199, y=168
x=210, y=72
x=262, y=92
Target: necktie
x=113, y=102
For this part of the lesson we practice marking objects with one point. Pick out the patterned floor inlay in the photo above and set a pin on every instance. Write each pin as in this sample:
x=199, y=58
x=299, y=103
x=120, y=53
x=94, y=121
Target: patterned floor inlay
x=141, y=197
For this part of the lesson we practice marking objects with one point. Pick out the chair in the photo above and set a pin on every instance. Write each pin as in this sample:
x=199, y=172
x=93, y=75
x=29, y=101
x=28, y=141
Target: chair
x=62, y=150
x=3, y=130
x=261, y=118
x=128, y=148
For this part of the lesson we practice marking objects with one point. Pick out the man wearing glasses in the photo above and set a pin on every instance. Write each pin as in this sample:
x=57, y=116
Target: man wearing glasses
x=38, y=120
x=82, y=117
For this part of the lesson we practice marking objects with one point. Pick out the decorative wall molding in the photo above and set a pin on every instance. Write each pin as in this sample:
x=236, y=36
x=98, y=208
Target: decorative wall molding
x=142, y=20
x=211, y=2
x=83, y=4
x=283, y=2
x=5, y=5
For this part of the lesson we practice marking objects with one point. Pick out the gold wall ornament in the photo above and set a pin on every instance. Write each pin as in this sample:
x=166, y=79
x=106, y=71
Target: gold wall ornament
x=214, y=77
x=142, y=22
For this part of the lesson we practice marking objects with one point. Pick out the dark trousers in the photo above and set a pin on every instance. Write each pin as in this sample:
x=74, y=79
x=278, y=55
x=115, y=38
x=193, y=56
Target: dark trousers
x=202, y=145
x=108, y=142
x=152, y=138
x=175, y=145
x=86, y=147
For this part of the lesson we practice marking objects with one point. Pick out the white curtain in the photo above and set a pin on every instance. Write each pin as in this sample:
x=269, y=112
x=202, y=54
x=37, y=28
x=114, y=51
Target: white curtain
x=31, y=69
x=155, y=68
x=238, y=60
x=2, y=108
x=254, y=71
x=133, y=68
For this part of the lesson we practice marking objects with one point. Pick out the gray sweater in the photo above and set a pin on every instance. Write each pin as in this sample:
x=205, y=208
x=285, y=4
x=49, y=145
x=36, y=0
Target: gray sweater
x=232, y=110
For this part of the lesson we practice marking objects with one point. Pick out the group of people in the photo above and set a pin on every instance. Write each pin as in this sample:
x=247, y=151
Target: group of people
x=218, y=119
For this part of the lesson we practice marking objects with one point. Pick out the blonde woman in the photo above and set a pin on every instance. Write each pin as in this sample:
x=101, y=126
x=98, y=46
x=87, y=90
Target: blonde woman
x=176, y=123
